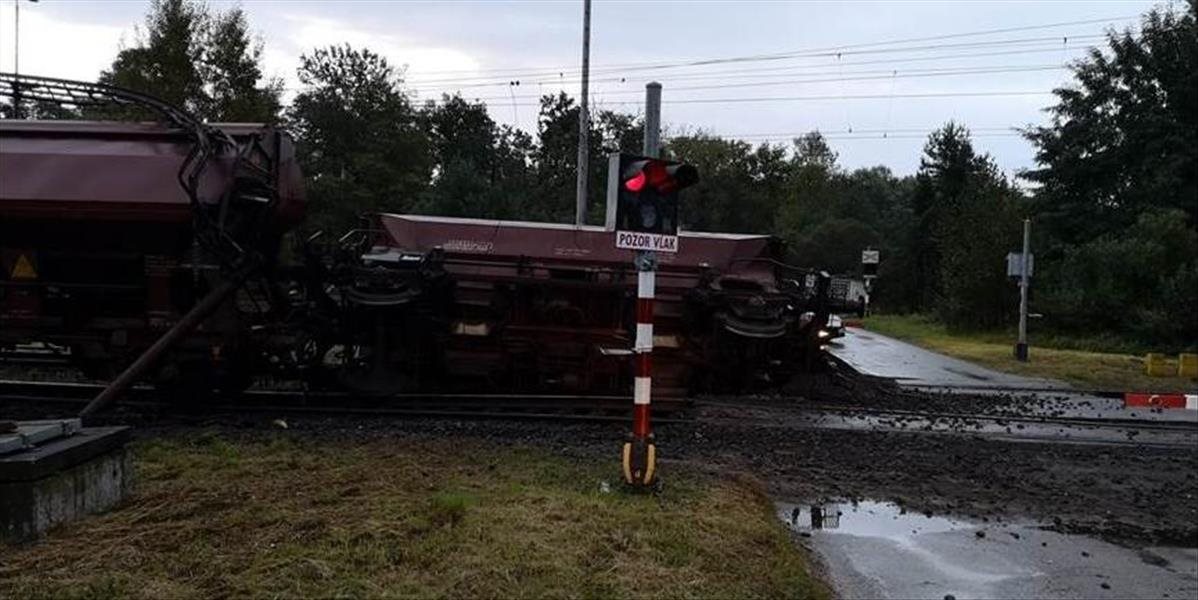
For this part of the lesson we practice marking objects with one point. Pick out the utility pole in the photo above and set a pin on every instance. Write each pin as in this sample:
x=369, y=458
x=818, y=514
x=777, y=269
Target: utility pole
x=584, y=125
x=16, y=37
x=16, y=58
x=1025, y=261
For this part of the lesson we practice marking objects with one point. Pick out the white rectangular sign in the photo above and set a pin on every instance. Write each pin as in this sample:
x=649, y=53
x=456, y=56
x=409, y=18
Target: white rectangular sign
x=657, y=242
x=869, y=257
x=1015, y=264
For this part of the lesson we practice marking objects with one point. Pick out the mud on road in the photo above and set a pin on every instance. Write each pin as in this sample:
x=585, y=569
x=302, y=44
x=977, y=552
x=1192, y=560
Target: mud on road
x=1126, y=493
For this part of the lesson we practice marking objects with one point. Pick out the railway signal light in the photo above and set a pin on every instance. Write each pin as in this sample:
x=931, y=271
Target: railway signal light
x=647, y=197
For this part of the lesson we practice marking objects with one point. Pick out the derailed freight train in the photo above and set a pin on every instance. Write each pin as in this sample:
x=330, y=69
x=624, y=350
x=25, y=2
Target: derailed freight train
x=123, y=238
x=98, y=243
x=544, y=306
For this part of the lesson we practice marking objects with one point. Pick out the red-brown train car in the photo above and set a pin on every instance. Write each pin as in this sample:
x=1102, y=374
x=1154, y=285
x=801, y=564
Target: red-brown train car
x=549, y=307
x=98, y=252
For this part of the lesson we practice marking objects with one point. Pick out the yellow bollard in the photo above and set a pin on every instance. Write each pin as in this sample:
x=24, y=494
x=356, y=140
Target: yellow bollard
x=1156, y=366
x=1187, y=365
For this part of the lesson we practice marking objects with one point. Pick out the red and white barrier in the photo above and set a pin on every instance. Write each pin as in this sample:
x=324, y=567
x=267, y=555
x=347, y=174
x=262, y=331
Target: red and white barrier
x=1147, y=400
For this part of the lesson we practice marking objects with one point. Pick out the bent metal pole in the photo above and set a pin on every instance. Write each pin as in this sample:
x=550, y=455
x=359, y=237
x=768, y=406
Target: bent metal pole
x=164, y=343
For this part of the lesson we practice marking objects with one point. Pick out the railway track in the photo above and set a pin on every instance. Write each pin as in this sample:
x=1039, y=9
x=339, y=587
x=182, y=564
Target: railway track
x=565, y=407
x=999, y=419
x=1028, y=427
x=1044, y=427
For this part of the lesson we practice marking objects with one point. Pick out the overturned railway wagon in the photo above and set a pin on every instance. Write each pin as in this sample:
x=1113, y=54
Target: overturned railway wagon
x=98, y=236
x=157, y=245
x=544, y=306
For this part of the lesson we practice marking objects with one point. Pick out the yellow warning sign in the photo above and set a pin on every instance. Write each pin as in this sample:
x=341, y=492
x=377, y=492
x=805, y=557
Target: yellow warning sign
x=23, y=269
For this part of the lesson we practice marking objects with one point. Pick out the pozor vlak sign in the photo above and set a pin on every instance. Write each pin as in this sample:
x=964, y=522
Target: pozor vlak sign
x=654, y=242
x=647, y=201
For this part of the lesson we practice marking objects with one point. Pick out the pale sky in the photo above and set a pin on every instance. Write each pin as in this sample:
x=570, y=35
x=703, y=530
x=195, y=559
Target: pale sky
x=875, y=77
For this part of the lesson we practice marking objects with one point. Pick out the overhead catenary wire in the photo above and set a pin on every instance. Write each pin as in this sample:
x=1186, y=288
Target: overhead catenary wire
x=843, y=47
x=839, y=54
x=826, y=132
x=767, y=72
x=888, y=75
x=811, y=98
x=883, y=136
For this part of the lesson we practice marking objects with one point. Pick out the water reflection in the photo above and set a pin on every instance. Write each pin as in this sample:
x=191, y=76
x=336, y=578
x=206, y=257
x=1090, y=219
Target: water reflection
x=821, y=516
x=865, y=518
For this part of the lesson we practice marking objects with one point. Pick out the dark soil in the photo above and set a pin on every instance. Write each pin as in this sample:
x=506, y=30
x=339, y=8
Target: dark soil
x=1124, y=493
x=1130, y=493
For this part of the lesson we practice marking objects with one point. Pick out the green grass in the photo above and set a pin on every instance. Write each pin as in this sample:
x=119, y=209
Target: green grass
x=273, y=517
x=1082, y=368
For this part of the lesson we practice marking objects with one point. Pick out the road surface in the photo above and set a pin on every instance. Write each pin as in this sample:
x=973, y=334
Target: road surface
x=877, y=550
x=874, y=354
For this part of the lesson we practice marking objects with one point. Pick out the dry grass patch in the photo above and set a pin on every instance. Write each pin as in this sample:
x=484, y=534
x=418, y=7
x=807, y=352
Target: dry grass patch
x=273, y=516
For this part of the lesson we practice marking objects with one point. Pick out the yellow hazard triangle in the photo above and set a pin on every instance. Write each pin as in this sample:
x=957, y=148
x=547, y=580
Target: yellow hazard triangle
x=23, y=269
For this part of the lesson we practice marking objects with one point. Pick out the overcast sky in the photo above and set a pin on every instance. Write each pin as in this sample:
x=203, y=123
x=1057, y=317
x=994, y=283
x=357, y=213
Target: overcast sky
x=875, y=77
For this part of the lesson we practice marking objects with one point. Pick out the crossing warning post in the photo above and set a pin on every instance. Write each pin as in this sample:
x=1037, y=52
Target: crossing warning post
x=643, y=212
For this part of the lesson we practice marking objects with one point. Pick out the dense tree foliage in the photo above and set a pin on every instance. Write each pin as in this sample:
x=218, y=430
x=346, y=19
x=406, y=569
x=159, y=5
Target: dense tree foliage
x=964, y=220
x=1117, y=205
x=361, y=142
x=205, y=62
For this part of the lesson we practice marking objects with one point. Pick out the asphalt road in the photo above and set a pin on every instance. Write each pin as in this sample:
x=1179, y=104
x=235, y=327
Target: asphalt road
x=874, y=354
x=877, y=550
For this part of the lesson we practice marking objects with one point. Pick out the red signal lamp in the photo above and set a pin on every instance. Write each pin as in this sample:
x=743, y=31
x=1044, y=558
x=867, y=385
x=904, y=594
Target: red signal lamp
x=636, y=183
x=664, y=177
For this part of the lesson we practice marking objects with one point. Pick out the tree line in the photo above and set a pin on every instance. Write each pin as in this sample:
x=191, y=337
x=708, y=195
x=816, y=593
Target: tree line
x=1113, y=195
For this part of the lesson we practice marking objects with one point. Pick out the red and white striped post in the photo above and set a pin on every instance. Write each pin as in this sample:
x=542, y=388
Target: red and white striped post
x=640, y=454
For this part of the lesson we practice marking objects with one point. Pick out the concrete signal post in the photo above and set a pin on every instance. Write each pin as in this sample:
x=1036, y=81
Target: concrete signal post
x=643, y=215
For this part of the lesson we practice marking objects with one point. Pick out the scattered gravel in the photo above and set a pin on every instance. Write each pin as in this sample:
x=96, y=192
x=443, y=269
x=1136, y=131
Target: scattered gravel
x=1131, y=493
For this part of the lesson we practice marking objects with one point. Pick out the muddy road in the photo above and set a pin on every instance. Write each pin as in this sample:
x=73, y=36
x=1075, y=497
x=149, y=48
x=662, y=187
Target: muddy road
x=1126, y=492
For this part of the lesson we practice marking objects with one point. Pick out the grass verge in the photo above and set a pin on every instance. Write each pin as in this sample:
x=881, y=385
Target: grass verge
x=270, y=516
x=1084, y=369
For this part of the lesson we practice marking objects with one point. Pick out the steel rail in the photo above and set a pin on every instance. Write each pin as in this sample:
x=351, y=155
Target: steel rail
x=456, y=405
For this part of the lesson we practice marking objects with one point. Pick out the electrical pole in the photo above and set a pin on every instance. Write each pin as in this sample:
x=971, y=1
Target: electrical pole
x=584, y=125
x=16, y=59
x=1024, y=263
x=16, y=38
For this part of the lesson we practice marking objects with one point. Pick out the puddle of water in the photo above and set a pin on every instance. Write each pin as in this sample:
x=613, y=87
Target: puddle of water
x=896, y=553
x=880, y=550
x=864, y=518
